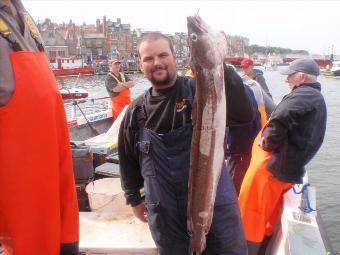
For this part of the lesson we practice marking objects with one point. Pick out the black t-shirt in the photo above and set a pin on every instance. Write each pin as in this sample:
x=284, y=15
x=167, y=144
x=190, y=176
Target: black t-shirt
x=111, y=82
x=167, y=110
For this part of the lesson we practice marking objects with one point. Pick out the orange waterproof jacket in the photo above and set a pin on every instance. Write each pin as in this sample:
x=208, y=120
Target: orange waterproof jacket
x=38, y=204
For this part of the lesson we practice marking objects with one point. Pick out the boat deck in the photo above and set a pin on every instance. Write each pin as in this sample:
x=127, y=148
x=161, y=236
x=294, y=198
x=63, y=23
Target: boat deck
x=109, y=235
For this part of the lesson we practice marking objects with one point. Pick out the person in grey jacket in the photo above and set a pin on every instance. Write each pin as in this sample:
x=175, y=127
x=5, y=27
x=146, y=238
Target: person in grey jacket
x=255, y=74
x=288, y=142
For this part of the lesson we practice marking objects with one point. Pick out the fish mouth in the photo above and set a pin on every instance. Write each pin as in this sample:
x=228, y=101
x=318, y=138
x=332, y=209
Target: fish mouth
x=197, y=24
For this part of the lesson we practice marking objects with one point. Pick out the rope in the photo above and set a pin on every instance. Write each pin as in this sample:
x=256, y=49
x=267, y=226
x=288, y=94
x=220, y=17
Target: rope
x=307, y=208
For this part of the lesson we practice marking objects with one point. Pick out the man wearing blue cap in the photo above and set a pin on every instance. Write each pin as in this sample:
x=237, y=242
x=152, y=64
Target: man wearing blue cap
x=291, y=138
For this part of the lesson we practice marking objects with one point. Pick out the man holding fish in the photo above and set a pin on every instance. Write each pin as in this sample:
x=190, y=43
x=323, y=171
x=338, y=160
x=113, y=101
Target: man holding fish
x=171, y=144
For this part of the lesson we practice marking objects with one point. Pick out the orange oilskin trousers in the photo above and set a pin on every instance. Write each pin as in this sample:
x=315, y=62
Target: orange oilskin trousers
x=261, y=196
x=263, y=114
x=118, y=102
x=38, y=204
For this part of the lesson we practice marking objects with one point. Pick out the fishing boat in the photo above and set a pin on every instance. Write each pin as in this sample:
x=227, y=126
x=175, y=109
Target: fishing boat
x=300, y=230
x=333, y=71
x=322, y=63
x=235, y=61
x=270, y=66
x=69, y=66
x=335, y=68
x=73, y=93
x=81, y=124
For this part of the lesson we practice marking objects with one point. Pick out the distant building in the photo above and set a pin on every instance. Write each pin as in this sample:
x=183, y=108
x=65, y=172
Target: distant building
x=55, y=43
x=69, y=33
x=94, y=43
x=181, y=49
x=121, y=38
x=236, y=45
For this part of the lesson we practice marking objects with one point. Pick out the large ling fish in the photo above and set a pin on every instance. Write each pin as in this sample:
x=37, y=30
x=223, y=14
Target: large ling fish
x=208, y=50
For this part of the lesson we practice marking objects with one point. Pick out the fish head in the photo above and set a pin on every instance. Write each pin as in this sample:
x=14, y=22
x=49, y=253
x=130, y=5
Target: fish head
x=208, y=48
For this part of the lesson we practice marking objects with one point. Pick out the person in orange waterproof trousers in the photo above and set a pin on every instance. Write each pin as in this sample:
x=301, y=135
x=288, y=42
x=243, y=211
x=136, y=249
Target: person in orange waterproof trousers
x=38, y=204
x=260, y=199
x=118, y=87
x=290, y=139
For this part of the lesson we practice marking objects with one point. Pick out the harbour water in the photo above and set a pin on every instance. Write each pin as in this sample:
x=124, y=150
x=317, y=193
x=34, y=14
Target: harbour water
x=324, y=169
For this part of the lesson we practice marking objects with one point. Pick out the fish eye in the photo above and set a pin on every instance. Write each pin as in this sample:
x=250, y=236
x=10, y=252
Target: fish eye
x=193, y=37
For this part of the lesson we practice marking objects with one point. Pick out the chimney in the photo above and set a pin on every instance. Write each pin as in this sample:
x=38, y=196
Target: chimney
x=104, y=27
x=98, y=25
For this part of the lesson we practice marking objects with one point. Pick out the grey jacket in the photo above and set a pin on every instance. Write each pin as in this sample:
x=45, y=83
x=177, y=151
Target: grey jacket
x=295, y=132
x=258, y=76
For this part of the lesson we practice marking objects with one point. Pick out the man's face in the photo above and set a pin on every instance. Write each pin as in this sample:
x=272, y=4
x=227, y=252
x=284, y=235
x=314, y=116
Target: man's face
x=294, y=80
x=249, y=71
x=158, y=63
x=115, y=68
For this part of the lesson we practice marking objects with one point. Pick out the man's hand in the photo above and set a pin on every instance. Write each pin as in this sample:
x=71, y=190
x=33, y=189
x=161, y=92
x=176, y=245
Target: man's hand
x=139, y=212
x=128, y=84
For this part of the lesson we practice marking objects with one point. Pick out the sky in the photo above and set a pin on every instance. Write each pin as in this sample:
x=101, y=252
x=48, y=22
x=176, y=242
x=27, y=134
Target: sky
x=298, y=25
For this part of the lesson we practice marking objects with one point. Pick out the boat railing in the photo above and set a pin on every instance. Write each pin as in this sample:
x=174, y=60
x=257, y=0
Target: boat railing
x=300, y=219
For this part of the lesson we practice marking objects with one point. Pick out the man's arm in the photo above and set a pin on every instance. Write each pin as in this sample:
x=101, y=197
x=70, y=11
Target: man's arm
x=262, y=81
x=273, y=135
x=283, y=119
x=123, y=85
x=240, y=110
x=109, y=85
x=130, y=173
x=269, y=104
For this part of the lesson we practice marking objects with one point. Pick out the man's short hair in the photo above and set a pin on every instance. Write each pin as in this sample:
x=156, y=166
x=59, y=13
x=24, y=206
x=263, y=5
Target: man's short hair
x=311, y=78
x=153, y=36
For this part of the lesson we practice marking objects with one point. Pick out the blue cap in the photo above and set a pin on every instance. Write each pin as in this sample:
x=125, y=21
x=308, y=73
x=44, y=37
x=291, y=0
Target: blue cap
x=304, y=65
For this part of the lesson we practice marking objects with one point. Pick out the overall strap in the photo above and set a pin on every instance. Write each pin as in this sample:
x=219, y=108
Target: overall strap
x=191, y=94
x=138, y=118
x=122, y=76
x=117, y=80
x=34, y=32
x=139, y=114
x=7, y=34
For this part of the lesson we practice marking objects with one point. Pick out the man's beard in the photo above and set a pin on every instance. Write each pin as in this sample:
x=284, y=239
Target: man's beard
x=164, y=81
x=159, y=82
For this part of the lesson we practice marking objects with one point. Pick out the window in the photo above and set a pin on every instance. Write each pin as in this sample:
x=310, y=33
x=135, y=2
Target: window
x=61, y=53
x=53, y=54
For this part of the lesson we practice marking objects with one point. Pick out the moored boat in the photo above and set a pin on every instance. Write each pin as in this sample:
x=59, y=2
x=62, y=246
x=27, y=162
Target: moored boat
x=69, y=66
x=73, y=93
x=270, y=66
x=335, y=68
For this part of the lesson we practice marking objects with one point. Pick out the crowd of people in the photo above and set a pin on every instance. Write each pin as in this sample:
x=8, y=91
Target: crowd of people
x=266, y=147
